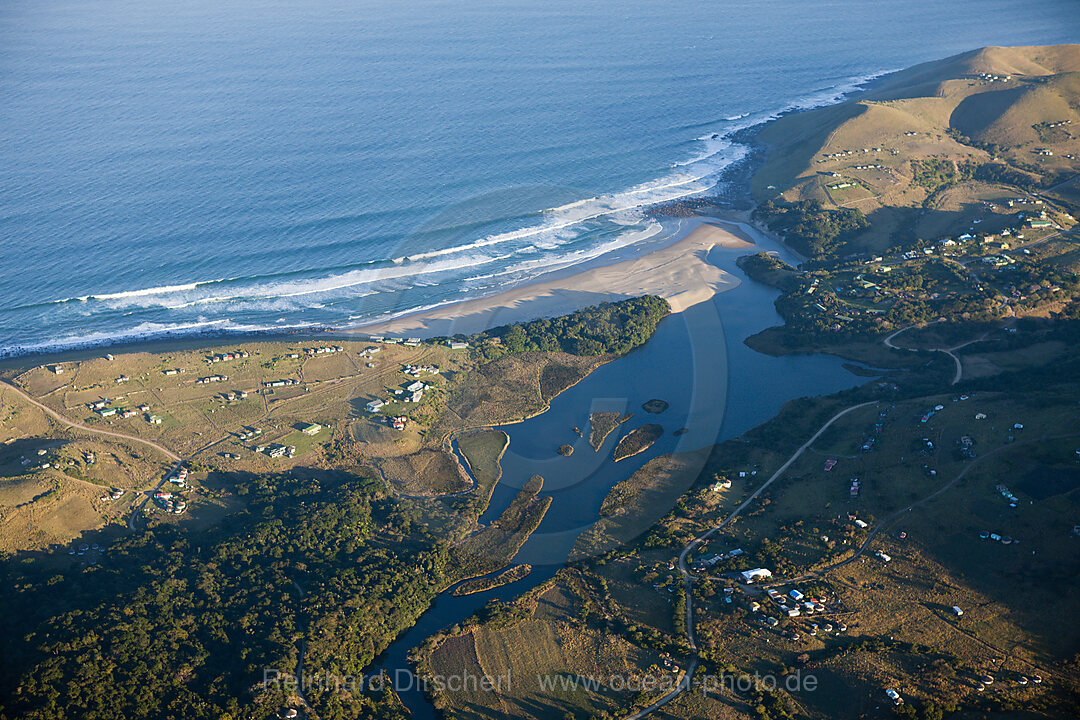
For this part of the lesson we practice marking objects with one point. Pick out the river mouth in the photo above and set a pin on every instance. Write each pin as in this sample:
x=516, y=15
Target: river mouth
x=716, y=389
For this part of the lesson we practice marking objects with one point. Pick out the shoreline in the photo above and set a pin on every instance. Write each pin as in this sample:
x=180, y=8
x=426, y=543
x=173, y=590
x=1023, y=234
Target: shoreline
x=677, y=270
x=654, y=266
x=714, y=209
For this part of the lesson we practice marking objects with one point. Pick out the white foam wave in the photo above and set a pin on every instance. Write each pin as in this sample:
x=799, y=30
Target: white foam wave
x=163, y=290
x=183, y=297
x=144, y=331
x=623, y=208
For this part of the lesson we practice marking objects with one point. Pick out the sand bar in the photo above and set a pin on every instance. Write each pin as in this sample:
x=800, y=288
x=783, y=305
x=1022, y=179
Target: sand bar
x=680, y=273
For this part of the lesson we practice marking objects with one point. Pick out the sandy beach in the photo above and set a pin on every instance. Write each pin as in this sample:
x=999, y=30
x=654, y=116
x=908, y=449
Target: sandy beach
x=680, y=273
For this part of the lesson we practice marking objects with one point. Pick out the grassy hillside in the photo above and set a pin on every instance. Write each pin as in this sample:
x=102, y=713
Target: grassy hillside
x=1015, y=110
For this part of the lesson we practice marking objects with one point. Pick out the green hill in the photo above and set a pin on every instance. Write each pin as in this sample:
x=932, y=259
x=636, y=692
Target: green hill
x=1014, y=110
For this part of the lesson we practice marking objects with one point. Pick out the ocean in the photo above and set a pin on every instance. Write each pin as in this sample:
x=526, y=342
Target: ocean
x=206, y=167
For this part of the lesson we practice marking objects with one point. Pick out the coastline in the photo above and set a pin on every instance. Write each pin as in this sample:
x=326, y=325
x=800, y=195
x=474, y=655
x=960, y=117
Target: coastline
x=679, y=272
x=551, y=294
x=673, y=265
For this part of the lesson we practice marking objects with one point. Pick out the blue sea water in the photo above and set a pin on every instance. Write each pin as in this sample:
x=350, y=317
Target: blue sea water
x=251, y=164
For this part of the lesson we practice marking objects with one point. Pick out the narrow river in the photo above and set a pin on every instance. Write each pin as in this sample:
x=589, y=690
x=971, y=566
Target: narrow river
x=716, y=387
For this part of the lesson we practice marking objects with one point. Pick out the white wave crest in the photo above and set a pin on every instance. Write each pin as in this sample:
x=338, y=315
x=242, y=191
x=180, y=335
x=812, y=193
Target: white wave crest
x=144, y=331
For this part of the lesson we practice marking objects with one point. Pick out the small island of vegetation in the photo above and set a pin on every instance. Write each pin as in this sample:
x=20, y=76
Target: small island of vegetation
x=638, y=440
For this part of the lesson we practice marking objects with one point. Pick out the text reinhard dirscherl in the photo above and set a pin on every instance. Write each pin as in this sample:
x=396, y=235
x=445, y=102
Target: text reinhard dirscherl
x=403, y=680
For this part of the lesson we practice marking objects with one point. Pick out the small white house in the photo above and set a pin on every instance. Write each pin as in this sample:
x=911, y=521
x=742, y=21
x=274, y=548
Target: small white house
x=957, y=611
x=756, y=574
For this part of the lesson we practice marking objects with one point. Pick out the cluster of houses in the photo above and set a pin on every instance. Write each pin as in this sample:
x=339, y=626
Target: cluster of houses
x=853, y=489
x=966, y=447
x=180, y=478
x=325, y=350
x=211, y=379
x=170, y=503
x=233, y=396
x=85, y=548
x=398, y=422
x=277, y=450
x=796, y=603
x=280, y=383
x=411, y=393
x=1007, y=494
x=113, y=494
x=411, y=342
x=418, y=370
x=415, y=391
x=415, y=341
x=1003, y=539
x=247, y=433
x=43, y=465
x=846, y=153
x=707, y=562
x=104, y=408
x=226, y=357
x=990, y=77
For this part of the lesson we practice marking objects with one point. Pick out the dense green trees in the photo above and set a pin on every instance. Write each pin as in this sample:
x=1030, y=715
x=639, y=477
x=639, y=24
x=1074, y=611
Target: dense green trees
x=615, y=328
x=934, y=173
x=174, y=623
x=810, y=228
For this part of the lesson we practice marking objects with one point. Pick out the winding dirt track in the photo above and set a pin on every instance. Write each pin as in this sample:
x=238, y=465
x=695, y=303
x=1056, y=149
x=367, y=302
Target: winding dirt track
x=948, y=351
x=79, y=426
x=688, y=579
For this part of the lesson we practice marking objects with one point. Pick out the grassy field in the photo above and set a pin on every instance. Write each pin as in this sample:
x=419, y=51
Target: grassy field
x=224, y=417
x=945, y=111
x=539, y=640
x=45, y=506
x=483, y=451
